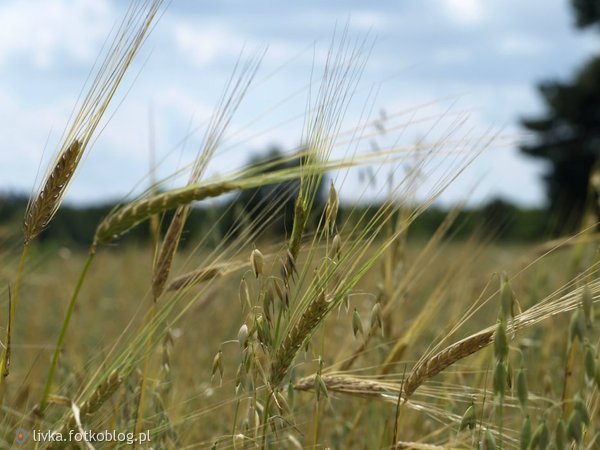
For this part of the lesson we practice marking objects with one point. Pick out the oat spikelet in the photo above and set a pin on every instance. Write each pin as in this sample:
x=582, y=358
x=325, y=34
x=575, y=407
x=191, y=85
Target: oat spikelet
x=41, y=210
x=445, y=358
x=257, y=262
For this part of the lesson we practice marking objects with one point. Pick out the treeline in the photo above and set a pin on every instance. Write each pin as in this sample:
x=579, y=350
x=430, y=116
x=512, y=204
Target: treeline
x=76, y=226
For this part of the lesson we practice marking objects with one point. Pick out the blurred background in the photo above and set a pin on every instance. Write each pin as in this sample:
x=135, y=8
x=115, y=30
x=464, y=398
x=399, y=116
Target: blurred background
x=527, y=73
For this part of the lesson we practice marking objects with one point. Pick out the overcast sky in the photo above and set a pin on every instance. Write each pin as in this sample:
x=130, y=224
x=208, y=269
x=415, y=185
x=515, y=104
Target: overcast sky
x=451, y=57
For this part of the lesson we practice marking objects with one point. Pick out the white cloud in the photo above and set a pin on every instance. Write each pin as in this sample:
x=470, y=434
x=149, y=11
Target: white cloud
x=421, y=56
x=173, y=99
x=209, y=43
x=464, y=12
x=204, y=44
x=451, y=55
x=520, y=45
x=367, y=20
x=29, y=138
x=40, y=31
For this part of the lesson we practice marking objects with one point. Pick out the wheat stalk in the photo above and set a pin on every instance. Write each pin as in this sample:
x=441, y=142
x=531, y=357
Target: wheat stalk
x=129, y=37
x=100, y=395
x=126, y=217
x=190, y=279
x=294, y=340
x=418, y=446
x=40, y=211
x=167, y=252
x=119, y=56
x=228, y=105
x=347, y=385
x=445, y=358
x=130, y=215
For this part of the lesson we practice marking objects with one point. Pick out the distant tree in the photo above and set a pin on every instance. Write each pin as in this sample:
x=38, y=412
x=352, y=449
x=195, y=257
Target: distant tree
x=587, y=12
x=497, y=215
x=568, y=135
x=273, y=202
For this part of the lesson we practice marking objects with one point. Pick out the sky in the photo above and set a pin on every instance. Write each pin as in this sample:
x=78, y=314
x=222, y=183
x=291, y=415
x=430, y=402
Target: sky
x=466, y=65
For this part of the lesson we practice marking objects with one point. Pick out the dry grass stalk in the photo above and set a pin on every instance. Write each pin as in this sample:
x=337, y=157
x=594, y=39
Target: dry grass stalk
x=41, y=210
x=198, y=276
x=345, y=384
x=445, y=358
x=418, y=446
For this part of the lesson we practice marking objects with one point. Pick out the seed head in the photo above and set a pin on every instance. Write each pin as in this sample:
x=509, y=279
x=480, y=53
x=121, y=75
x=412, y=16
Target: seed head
x=501, y=341
x=243, y=336
x=320, y=387
x=281, y=292
x=263, y=331
x=253, y=418
x=489, y=442
x=377, y=317
x=257, y=262
x=244, y=295
x=522, y=392
x=240, y=378
x=336, y=246
x=217, y=364
x=357, y=327
x=469, y=419
x=506, y=297
x=577, y=326
x=541, y=436
x=282, y=403
x=574, y=431
x=590, y=363
x=500, y=379
x=333, y=204
x=526, y=433
x=581, y=408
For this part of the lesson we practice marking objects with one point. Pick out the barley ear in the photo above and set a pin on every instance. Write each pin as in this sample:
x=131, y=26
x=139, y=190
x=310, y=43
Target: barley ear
x=440, y=361
x=42, y=208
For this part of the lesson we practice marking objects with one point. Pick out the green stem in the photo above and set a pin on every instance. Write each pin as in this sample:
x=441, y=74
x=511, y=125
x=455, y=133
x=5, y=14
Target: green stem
x=4, y=364
x=65, y=325
x=139, y=418
x=235, y=417
x=316, y=424
x=266, y=418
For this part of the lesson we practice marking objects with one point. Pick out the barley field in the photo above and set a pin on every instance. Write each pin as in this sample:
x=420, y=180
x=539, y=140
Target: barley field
x=347, y=332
